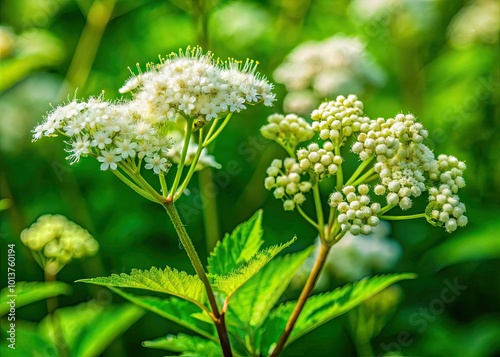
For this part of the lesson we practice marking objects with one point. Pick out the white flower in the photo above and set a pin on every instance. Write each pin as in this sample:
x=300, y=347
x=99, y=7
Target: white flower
x=101, y=139
x=109, y=160
x=79, y=147
x=126, y=148
x=157, y=163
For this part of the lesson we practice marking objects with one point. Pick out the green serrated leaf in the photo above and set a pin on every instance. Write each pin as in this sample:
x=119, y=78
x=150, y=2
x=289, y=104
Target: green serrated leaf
x=174, y=309
x=256, y=298
x=187, y=345
x=29, y=292
x=238, y=247
x=89, y=328
x=168, y=280
x=231, y=282
x=322, y=308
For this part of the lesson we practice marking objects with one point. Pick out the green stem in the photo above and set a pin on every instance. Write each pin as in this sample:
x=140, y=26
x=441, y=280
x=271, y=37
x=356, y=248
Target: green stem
x=200, y=271
x=385, y=209
x=208, y=139
x=306, y=291
x=133, y=186
x=307, y=218
x=359, y=170
x=212, y=128
x=141, y=182
x=52, y=304
x=210, y=212
x=180, y=167
x=340, y=174
x=163, y=184
x=365, y=177
x=319, y=211
x=402, y=218
x=192, y=168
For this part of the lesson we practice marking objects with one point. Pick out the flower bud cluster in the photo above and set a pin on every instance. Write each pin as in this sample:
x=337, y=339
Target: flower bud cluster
x=339, y=119
x=287, y=129
x=59, y=239
x=357, y=214
x=401, y=181
x=445, y=209
x=284, y=177
x=321, y=161
x=449, y=171
x=387, y=137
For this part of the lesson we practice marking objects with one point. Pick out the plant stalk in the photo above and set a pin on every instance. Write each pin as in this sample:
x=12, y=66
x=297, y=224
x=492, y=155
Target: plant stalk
x=62, y=347
x=186, y=242
x=306, y=291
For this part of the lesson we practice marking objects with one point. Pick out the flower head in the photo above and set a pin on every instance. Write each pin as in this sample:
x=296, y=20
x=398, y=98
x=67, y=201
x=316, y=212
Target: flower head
x=59, y=241
x=195, y=85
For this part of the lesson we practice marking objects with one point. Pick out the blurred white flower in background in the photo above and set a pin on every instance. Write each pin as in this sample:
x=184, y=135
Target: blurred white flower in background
x=174, y=153
x=318, y=70
x=355, y=257
x=477, y=23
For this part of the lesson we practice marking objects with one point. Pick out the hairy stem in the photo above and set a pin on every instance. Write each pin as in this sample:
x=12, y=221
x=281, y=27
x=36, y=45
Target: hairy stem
x=186, y=242
x=306, y=291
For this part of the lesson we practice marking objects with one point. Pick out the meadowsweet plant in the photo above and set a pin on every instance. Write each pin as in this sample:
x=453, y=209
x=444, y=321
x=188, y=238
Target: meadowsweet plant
x=395, y=168
x=176, y=109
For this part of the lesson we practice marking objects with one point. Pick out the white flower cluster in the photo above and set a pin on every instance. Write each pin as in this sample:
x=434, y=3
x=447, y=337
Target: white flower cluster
x=190, y=84
x=445, y=208
x=357, y=214
x=387, y=137
x=339, y=119
x=322, y=161
x=324, y=69
x=402, y=159
x=284, y=176
x=59, y=239
x=287, y=129
x=197, y=86
x=110, y=132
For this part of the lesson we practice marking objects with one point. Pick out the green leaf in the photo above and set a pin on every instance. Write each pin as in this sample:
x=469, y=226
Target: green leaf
x=29, y=342
x=322, y=308
x=256, y=298
x=168, y=280
x=174, y=309
x=476, y=245
x=29, y=292
x=189, y=345
x=238, y=247
x=90, y=327
x=231, y=282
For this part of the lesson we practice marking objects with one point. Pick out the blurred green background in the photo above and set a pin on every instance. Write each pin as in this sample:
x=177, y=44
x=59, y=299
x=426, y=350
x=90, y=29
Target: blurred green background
x=441, y=63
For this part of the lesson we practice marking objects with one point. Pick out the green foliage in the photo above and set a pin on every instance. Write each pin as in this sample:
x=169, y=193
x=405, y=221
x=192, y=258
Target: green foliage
x=173, y=309
x=238, y=247
x=33, y=343
x=477, y=245
x=189, y=346
x=168, y=280
x=90, y=327
x=29, y=292
x=231, y=282
x=253, y=301
x=322, y=308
